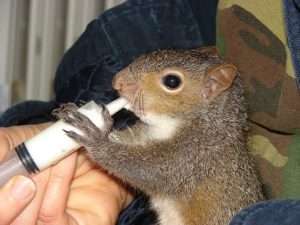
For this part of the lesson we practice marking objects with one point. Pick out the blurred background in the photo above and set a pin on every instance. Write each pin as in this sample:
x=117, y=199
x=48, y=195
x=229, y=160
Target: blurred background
x=34, y=34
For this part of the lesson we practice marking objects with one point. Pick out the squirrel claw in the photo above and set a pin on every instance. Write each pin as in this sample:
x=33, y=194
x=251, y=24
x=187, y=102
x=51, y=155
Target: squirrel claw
x=91, y=133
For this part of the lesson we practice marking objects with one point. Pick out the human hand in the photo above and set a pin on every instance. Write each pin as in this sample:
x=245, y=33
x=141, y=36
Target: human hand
x=73, y=192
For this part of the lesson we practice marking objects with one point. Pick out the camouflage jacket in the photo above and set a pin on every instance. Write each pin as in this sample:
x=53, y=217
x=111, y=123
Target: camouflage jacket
x=252, y=35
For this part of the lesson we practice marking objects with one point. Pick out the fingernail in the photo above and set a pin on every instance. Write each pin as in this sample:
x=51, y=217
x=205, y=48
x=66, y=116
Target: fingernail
x=22, y=188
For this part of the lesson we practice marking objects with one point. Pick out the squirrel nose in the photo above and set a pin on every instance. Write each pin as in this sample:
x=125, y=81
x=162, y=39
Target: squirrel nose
x=121, y=84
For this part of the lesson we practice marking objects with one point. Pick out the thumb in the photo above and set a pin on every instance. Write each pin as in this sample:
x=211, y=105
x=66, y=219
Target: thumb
x=14, y=197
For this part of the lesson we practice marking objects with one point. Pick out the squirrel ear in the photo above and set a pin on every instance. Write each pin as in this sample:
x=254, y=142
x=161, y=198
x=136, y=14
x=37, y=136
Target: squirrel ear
x=218, y=80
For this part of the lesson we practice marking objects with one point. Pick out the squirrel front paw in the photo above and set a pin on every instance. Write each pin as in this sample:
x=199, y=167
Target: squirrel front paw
x=91, y=135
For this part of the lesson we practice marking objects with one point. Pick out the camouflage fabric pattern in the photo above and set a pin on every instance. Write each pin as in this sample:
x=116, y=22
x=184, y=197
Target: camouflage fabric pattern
x=251, y=35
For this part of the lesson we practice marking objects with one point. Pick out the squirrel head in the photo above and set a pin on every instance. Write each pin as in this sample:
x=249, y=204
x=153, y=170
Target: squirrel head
x=174, y=83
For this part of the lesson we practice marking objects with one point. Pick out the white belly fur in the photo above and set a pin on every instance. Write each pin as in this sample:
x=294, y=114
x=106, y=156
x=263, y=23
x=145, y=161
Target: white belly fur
x=167, y=211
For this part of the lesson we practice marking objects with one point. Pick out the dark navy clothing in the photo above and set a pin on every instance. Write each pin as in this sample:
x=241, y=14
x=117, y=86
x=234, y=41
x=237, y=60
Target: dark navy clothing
x=292, y=19
x=277, y=212
x=114, y=40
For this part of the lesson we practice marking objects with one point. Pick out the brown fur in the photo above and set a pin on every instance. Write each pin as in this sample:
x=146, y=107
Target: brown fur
x=205, y=166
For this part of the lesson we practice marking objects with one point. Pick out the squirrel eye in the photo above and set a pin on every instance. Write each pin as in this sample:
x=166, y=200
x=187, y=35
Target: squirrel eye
x=171, y=81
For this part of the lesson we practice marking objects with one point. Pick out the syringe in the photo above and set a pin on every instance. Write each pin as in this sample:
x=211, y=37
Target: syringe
x=52, y=144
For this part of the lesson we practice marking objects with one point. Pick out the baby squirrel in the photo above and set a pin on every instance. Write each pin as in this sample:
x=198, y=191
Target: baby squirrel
x=188, y=150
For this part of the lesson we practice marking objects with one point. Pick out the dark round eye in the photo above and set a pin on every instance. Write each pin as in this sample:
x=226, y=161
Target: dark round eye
x=172, y=81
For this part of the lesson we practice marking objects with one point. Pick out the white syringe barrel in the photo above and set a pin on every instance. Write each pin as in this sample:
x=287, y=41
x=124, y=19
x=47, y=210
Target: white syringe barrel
x=52, y=144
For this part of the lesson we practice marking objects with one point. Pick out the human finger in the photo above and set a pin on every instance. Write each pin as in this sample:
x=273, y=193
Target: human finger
x=53, y=207
x=30, y=214
x=15, y=196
